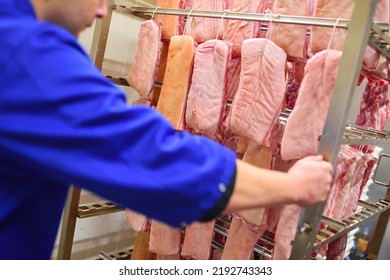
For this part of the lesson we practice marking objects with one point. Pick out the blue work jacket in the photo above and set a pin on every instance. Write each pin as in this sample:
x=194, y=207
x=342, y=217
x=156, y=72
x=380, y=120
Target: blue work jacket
x=63, y=123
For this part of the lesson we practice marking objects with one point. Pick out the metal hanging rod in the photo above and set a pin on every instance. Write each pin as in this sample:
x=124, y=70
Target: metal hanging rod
x=336, y=229
x=276, y=18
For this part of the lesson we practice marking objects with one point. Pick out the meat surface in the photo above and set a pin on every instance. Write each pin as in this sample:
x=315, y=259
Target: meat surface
x=203, y=29
x=177, y=79
x=307, y=120
x=343, y=177
x=197, y=241
x=285, y=232
x=206, y=101
x=160, y=73
x=373, y=66
x=240, y=248
x=137, y=221
x=374, y=108
x=290, y=37
x=321, y=36
x=258, y=101
x=239, y=30
x=171, y=25
x=141, y=247
x=164, y=240
x=143, y=71
x=292, y=88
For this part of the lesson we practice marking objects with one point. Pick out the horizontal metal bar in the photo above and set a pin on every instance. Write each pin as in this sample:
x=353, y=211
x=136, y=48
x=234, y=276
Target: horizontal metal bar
x=276, y=18
x=379, y=40
x=96, y=209
x=355, y=221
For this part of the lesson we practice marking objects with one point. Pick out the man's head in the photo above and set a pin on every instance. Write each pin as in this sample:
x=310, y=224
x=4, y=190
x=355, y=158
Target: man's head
x=73, y=15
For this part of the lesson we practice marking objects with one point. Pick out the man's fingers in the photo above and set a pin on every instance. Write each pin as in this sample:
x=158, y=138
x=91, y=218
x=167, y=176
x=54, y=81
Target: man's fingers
x=315, y=158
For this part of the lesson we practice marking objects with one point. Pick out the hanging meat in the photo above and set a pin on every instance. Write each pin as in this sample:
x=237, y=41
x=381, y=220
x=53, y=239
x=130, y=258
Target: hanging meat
x=177, y=79
x=206, y=101
x=143, y=70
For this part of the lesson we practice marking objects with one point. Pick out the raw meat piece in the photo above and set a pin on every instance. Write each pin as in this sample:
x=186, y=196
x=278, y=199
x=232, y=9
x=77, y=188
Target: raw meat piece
x=321, y=36
x=141, y=247
x=257, y=104
x=177, y=78
x=373, y=66
x=164, y=240
x=171, y=25
x=374, y=106
x=240, y=30
x=142, y=101
x=343, y=172
x=197, y=241
x=167, y=258
x=342, y=184
x=203, y=29
x=138, y=222
x=160, y=73
x=143, y=70
x=285, y=232
x=240, y=248
x=233, y=78
x=371, y=162
x=292, y=88
x=216, y=255
x=206, y=101
x=290, y=37
x=253, y=221
x=307, y=120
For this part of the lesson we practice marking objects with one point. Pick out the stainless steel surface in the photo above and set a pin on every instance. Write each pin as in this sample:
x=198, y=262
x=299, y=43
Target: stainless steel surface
x=326, y=236
x=349, y=70
x=379, y=40
x=376, y=170
x=325, y=22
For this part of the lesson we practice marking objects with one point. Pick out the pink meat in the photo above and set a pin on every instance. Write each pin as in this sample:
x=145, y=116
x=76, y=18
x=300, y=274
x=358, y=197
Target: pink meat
x=239, y=30
x=237, y=248
x=197, y=241
x=374, y=106
x=373, y=66
x=233, y=78
x=342, y=182
x=292, y=88
x=258, y=101
x=285, y=232
x=321, y=36
x=143, y=70
x=171, y=25
x=206, y=101
x=371, y=161
x=342, y=177
x=177, y=80
x=203, y=29
x=137, y=222
x=307, y=120
x=164, y=240
x=290, y=37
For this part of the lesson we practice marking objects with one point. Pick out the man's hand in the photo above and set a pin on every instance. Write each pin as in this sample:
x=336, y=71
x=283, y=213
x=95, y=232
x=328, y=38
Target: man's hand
x=312, y=178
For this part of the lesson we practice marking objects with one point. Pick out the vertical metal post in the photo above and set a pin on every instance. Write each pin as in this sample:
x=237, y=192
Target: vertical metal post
x=100, y=36
x=68, y=224
x=348, y=73
x=375, y=245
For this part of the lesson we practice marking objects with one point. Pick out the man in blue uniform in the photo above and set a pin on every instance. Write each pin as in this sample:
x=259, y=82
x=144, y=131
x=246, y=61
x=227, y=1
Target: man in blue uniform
x=62, y=123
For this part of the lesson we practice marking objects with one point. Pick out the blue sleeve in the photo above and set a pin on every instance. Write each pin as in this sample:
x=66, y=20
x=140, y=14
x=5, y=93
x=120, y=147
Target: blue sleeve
x=63, y=120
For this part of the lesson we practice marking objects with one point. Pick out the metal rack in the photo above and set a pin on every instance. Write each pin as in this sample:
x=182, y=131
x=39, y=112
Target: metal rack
x=337, y=130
